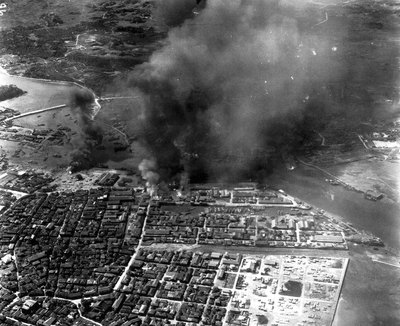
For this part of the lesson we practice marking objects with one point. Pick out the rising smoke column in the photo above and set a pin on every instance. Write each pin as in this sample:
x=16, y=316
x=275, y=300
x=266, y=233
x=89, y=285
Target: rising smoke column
x=223, y=80
x=82, y=104
x=148, y=169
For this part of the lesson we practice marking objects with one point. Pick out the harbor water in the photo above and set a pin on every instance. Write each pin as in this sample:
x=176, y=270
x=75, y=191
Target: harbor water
x=378, y=217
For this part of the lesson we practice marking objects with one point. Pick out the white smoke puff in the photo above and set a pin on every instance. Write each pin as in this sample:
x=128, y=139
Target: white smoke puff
x=148, y=170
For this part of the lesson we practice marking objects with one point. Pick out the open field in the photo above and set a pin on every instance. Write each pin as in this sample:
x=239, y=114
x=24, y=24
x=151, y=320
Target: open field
x=370, y=292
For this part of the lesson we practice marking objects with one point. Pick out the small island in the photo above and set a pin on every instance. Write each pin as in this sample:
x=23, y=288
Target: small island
x=8, y=92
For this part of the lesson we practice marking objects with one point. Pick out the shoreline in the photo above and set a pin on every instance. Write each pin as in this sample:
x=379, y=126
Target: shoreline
x=335, y=312
x=97, y=106
x=58, y=83
x=335, y=178
x=48, y=81
x=376, y=218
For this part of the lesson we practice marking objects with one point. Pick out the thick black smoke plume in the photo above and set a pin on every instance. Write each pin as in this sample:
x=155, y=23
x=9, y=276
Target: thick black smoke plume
x=82, y=103
x=220, y=84
x=237, y=83
x=174, y=12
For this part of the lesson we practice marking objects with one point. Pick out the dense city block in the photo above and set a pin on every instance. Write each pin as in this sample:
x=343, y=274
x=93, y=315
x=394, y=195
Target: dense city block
x=102, y=254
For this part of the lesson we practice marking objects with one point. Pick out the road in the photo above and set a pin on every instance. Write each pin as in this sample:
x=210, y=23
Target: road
x=118, y=284
x=363, y=142
x=346, y=185
x=321, y=22
x=118, y=131
x=383, y=262
x=322, y=139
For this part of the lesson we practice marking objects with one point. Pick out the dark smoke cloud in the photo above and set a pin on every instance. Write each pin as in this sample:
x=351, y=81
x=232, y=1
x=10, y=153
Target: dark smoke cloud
x=82, y=103
x=174, y=12
x=238, y=81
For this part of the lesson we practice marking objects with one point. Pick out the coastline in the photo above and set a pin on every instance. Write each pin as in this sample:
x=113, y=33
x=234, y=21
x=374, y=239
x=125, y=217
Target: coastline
x=335, y=314
x=97, y=106
x=334, y=177
x=375, y=217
